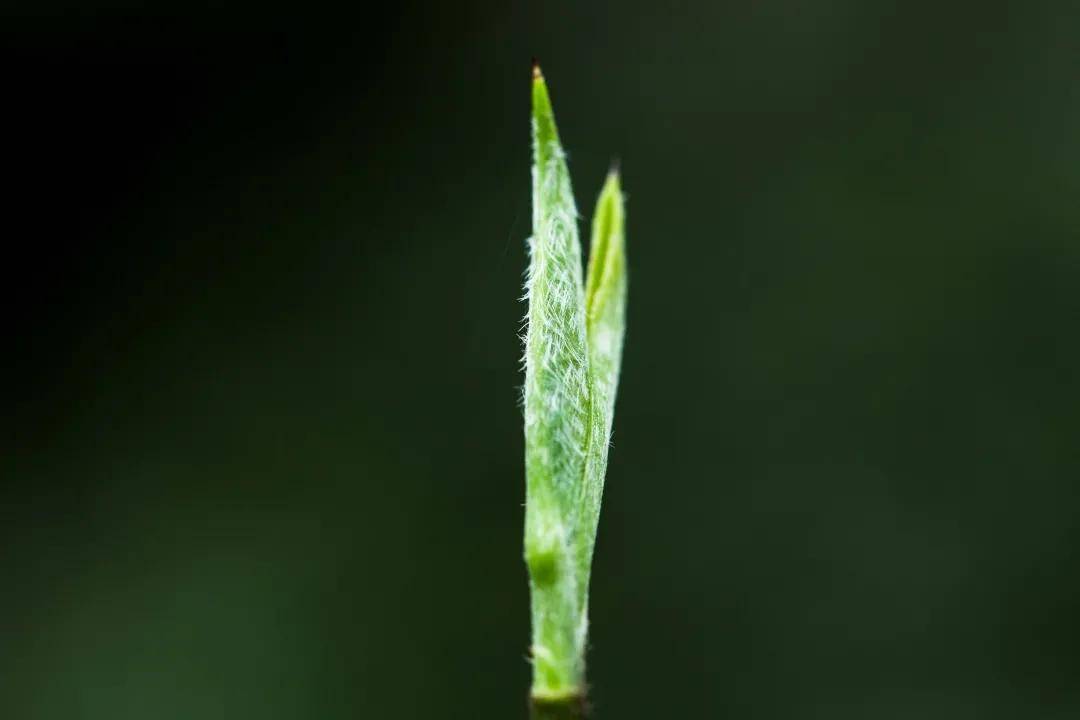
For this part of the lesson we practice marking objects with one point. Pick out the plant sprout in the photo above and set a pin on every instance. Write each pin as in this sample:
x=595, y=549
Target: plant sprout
x=573, y=348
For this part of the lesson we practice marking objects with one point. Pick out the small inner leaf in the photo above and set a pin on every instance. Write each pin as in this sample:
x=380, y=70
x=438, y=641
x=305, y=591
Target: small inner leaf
x=605, y=302
x=605, y=292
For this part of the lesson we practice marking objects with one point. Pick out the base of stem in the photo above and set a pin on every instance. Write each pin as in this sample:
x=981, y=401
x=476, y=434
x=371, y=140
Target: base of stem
x=570, y=707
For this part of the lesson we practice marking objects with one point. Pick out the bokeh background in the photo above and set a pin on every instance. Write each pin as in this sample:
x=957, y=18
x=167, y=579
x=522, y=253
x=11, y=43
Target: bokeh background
x=263, y=448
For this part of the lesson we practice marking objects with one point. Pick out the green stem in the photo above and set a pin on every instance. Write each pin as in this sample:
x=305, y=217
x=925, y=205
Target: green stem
x=568, y=708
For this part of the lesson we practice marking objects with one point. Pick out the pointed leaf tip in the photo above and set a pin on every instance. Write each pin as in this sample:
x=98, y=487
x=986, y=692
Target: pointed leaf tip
x=545, y=134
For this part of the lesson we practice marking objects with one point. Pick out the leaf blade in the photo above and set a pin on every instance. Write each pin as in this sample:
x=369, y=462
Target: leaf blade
x=557, y=399
x=605, y=302
x=605, y=292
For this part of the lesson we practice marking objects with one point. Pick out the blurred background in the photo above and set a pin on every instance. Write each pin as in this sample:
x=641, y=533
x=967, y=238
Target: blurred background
x=262, y=448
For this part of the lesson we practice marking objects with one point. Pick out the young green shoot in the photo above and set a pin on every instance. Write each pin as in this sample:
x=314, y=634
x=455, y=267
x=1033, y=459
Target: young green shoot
x=573, y=350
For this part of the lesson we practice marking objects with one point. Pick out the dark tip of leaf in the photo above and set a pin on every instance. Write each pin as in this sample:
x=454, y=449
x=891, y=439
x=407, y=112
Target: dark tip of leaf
x=615, y=164
x=536, y=74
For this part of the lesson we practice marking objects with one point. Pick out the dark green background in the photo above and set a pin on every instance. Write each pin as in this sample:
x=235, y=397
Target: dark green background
x=264, y=454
